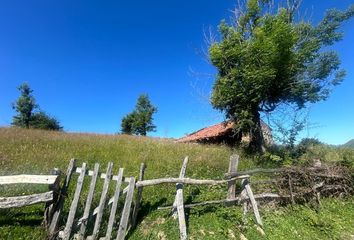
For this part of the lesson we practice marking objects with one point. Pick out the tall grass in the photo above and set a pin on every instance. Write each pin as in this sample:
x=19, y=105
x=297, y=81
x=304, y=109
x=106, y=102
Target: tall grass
x=37, y=152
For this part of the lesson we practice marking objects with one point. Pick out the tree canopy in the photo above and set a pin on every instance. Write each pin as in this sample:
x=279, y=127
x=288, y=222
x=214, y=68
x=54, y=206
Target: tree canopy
x=24, y=106
x=140, y=121
x=28, y=113
x=268, y=57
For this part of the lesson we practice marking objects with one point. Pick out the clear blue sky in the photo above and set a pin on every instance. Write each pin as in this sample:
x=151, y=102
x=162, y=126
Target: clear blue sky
x=88, y=61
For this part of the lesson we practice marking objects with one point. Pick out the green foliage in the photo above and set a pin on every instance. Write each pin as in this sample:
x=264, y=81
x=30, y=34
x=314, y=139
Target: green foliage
x=27, y=117
x=268, y=58
x=140, y=121
x=127, y=125
x=41, y=120
x=24, y=106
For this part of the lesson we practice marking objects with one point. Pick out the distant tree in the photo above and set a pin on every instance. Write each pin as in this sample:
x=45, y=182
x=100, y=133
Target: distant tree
x=27, y=116
x=128, y=124
x=140, y=121
x=24, y=106
x=268, y=57
x=40, y=120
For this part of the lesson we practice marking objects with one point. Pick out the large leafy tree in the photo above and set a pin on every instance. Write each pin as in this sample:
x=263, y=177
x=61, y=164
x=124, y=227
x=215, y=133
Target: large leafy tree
x=28, y=113
x=140, y=121
x=268, y=57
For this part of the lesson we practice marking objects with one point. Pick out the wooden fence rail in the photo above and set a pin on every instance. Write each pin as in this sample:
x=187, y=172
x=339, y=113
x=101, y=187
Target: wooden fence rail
x=178, y=205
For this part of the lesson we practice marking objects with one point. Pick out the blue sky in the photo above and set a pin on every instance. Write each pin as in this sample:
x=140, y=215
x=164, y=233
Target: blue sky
x=88, y=61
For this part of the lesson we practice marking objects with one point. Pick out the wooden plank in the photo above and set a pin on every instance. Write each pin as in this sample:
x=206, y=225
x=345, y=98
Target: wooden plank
x=263, y=196
x=20, y=201
x=123, y=225
x=254, y=171
x=103, y=198
x=103, y=175
x=186, y=181
x=253, y=203
x=244, y=196
x=274, y=170
x=59, y=206
x=89, y=199
x=110, y=201
x=125, y=190
x=26, y=178
x=69, y=223
x=112, y=215
x=233, y=165
x=179, y=187
x=138, y=195
x=181, y=215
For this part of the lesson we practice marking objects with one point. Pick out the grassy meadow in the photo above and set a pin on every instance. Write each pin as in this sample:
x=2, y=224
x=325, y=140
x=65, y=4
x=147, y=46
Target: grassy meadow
x=37, y=152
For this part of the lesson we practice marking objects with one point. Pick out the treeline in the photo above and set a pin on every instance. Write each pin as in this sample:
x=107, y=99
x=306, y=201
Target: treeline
x=30, y=115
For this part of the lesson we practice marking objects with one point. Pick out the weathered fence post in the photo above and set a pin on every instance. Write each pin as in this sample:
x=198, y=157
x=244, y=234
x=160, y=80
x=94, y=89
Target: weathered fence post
x=231, y=186
x=49, y=208
x=138, y=196
x=253, y=202
x=181, y=215
x=59, y=205
x=179, y=203
x=291, y=190
x=123, y=225
x=114, y=204
x=89, y=199
x=103, y=198
x=75, y=202
x=179, y=186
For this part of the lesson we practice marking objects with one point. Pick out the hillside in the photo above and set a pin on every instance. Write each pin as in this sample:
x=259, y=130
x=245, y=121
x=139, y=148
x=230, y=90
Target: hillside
x=34, y=151
x=349, y=144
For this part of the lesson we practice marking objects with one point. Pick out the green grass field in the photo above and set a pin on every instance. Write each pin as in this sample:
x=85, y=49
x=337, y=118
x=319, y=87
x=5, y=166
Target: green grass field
x=37, y=152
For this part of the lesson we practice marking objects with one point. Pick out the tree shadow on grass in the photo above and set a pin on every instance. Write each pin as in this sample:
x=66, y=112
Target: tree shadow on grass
x=23, y=217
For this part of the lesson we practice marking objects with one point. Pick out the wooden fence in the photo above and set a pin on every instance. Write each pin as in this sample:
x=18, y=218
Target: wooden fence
x=77, y=223
x=95, y=215
x=49, y=198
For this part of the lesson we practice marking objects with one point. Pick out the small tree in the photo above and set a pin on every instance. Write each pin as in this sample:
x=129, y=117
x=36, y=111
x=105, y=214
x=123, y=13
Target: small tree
x=24, y=107
x=41, y=120
x=140, y=121
x=27, y=116
x=268, y=57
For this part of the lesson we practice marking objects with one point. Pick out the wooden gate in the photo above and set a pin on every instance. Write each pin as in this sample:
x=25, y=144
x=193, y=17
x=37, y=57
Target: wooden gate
x=77, y=223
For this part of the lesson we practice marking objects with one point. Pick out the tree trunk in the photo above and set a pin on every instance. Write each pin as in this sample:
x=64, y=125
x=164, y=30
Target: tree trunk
x=256, y=135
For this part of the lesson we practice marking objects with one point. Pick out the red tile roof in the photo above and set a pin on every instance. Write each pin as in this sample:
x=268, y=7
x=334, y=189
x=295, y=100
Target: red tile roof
x=208, y=132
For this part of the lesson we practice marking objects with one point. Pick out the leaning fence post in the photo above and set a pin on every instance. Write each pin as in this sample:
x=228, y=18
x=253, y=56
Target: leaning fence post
x=231, y=185
x=69, y=223
x=138, y=196
x=180, y=211
x=253, y=202
x=123, y=225
x=179, y=186
x=49, y=207
x=59, y=205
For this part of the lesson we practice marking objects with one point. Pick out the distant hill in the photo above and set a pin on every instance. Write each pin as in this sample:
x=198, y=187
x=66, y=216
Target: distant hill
x=349, y=144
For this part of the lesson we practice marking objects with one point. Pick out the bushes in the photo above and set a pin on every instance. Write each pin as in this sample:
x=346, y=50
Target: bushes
x=306, y=151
